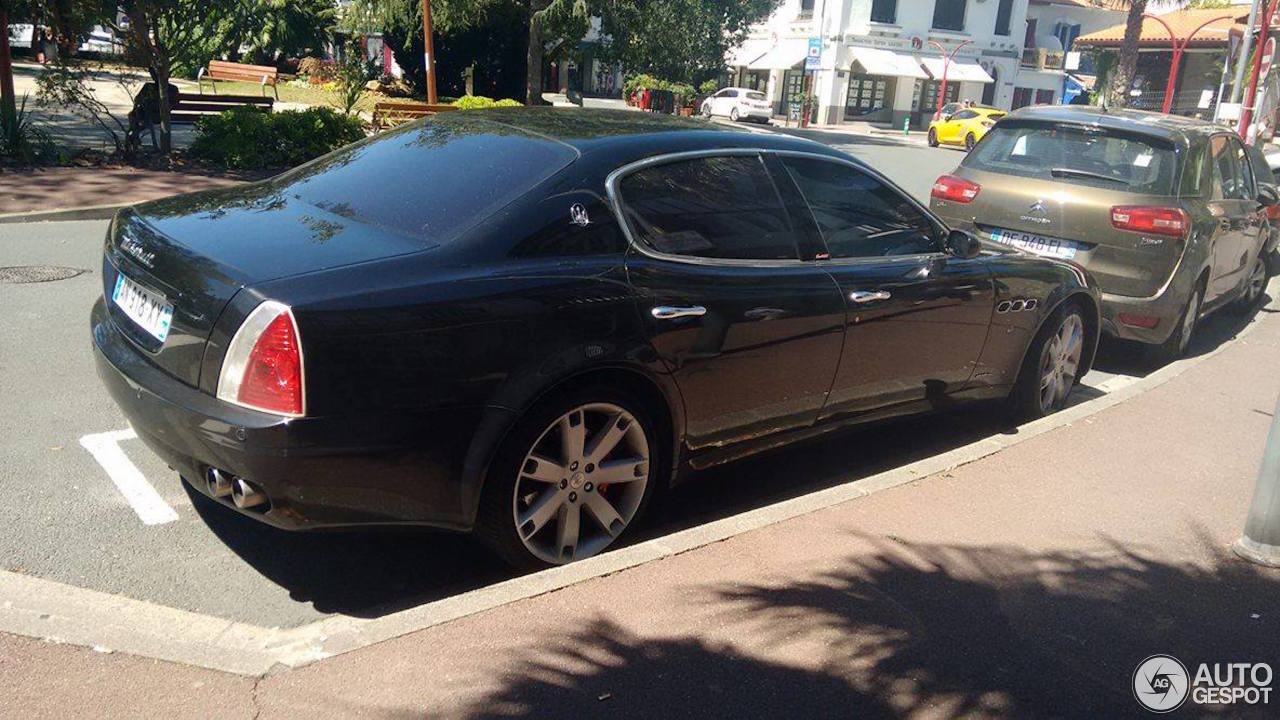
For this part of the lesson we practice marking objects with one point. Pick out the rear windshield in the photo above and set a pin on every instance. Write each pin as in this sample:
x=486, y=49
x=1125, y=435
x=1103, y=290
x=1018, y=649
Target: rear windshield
x=755, y=96
x=1079, y=155
x=430, y=180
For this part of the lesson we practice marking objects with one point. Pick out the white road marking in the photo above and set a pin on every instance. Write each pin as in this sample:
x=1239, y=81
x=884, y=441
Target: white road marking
x=146, y=502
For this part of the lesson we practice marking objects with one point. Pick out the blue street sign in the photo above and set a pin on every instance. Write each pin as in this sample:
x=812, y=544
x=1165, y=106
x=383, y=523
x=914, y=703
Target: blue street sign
x=813, y=60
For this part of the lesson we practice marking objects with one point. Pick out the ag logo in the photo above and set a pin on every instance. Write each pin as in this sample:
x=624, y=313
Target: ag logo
x=1161, y=683
x=578, y=215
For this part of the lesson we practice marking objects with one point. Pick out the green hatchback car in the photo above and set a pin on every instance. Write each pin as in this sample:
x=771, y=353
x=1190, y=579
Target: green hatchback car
x=1165, y=212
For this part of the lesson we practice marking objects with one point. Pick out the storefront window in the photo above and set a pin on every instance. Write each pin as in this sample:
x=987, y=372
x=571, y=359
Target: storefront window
x=757, y=80
x=867, y=94
x=926, y=100
x=792, y=89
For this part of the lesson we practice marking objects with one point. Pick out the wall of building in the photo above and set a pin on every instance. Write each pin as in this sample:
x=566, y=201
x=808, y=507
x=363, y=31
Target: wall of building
x=843, y=24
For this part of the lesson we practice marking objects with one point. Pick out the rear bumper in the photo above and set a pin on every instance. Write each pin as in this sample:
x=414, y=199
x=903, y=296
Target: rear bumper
x=398, y=468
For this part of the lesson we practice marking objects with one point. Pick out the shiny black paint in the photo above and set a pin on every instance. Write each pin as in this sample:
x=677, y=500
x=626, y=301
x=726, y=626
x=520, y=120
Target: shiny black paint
x=421, y=353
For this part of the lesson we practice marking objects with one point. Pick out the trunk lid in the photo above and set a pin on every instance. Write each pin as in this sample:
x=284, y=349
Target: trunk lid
x=194, y=253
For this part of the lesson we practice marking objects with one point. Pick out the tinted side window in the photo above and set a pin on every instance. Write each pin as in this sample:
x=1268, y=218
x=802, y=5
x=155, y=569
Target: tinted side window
x=964, y=115
x=716, y=207
x=859, y=216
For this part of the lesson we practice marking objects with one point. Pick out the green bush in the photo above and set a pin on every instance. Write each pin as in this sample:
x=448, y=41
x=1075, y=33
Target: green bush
x=480, y=102
x=684, y=93
x=708, y=87
x=246, y=138
x=632, y=83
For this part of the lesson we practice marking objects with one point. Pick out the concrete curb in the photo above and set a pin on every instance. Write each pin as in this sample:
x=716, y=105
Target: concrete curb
x=46, y=609
x=92, y=212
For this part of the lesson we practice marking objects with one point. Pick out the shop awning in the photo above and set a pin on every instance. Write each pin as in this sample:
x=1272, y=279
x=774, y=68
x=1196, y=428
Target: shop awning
x=957, y=71
x=747, y=52
x=783, y=56
x=878, y=61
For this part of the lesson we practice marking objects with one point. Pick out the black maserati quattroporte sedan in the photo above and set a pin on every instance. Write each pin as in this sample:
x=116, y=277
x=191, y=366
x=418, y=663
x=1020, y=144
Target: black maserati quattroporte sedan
x=523, y=322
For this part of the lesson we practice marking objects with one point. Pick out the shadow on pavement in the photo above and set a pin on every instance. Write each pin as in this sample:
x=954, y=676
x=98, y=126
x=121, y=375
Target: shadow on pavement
x=911, y=630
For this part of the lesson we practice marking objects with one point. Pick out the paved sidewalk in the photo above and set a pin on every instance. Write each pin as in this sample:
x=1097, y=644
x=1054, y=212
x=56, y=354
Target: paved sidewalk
x=1029, y=583
x=51, y=191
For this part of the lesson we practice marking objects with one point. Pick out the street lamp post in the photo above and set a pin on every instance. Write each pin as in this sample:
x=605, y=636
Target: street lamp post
x=428, y=54
x=946, y=63
x=1178, y=48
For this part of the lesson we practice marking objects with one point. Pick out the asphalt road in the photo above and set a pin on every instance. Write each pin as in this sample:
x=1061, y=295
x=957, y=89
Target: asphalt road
x=63, y=518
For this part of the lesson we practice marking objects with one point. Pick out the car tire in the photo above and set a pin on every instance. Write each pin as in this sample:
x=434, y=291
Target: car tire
x=1255, y=287
x=933, y=137
x=1051, y=367
x=733, y=114
x=706, y=110
x=1173, y=348
x=575, y=517
x=969, y=142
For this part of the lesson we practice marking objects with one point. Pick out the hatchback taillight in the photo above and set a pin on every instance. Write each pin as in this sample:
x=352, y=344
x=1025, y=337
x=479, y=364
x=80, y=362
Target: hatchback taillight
x=263, y=366
x=1144, y=219
x=950, y=187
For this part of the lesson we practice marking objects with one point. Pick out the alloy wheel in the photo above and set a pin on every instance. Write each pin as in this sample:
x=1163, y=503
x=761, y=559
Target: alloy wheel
x=1060, y=363
x=969, y=141
x=581, y=483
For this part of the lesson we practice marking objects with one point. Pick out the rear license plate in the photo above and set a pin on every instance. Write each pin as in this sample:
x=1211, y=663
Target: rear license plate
x=144, y=307
x=1038, y=244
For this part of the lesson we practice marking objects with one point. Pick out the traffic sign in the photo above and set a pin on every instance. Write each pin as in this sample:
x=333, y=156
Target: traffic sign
x=813, y=60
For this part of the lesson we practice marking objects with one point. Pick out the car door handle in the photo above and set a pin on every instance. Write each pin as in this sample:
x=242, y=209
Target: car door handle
x=668, y=312
x=866, y=296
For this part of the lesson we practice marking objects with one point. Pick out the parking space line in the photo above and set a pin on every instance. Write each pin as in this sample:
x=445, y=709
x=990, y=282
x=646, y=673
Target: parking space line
x=145, y=501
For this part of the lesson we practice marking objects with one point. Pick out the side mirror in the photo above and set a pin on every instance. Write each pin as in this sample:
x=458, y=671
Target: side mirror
x=1268, y=195
x=962, y=245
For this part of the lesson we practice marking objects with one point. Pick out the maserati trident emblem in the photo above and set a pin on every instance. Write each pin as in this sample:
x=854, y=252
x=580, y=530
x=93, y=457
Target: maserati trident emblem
x=135, y=249
x=578, y=215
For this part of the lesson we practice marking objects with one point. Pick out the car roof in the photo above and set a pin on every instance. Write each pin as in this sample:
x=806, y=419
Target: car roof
x=1174, y=128
x=987, y=110
x=625, y=135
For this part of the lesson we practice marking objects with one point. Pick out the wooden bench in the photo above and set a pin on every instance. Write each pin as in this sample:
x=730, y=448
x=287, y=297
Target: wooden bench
x=186, y=109
x=223, y=70
x=390, y=114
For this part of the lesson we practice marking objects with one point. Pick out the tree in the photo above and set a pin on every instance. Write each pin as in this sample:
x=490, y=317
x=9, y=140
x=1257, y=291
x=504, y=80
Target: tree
x=168, y=35
x=268, y=30
x=8, y=99
x=679, y=39
x=1127, y=62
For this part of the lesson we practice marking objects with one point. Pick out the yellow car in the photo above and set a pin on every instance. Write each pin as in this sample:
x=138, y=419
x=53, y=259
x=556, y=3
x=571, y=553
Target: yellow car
x=965, y=127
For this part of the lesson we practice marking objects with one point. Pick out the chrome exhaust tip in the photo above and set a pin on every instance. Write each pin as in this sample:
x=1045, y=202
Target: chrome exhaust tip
x=246, y=496
x=218, y=483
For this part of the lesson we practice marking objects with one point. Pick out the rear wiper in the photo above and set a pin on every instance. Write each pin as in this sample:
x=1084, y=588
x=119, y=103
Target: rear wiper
x=1060, y=171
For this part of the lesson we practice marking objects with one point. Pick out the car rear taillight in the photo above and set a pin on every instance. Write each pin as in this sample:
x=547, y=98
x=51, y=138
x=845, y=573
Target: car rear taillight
x=950, y=187
x=1143, y=219
x=263, y=366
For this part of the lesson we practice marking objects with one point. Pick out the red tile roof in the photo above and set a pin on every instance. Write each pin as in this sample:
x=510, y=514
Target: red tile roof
x=1182, y=22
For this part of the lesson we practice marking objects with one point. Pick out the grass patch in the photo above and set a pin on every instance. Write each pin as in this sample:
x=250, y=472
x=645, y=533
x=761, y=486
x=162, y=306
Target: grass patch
x=311, y=95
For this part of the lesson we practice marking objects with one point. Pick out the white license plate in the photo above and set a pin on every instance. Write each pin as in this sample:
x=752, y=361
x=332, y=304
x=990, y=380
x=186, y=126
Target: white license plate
x=1038, y=244
x=144, y=307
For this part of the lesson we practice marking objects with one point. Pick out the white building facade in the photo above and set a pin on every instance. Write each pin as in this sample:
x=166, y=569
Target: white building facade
x=1048, y=56
x=882, y=61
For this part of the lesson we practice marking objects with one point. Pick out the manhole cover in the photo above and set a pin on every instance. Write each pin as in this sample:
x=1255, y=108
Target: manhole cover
x=36, y=273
